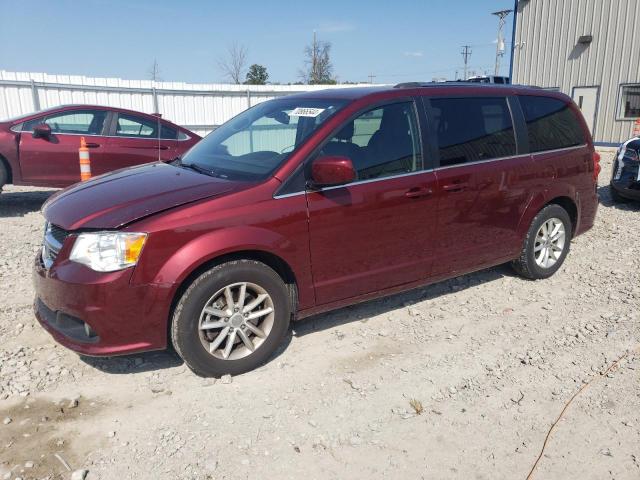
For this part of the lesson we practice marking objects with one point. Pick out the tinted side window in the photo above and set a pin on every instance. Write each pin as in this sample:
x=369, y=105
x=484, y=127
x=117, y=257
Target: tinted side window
x=130, y=126
x=134, y=126
x=168, y=133
x=381, y=142
x=551, y=124
x=472, y=129
x=83, y=122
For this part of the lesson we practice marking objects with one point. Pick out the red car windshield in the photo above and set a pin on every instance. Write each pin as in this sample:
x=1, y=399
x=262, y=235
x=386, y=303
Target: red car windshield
x=253, y=144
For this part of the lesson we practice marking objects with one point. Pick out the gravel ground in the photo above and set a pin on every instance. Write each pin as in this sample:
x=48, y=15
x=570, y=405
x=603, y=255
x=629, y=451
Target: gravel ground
x=462, y=379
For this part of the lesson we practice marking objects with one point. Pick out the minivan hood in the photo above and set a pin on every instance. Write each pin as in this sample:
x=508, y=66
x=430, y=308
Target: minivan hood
x=116, y=199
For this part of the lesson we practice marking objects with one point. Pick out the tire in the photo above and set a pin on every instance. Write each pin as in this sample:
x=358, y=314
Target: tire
x=616, y=197
x=194, y=344
x=527, y=264
x=4, y=175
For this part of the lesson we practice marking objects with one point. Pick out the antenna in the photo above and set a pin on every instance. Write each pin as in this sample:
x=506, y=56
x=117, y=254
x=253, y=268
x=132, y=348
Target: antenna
x=158, y=116
x=159, y=144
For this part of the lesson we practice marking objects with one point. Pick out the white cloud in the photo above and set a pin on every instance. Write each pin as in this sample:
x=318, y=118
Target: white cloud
x=413, y=54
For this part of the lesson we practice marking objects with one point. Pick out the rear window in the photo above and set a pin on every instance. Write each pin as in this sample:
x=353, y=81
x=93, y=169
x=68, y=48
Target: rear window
x=551, y=124
x=472, y=129
x=134, y=126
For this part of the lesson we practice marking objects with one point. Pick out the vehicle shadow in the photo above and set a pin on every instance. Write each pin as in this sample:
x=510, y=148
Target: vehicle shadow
x=137, y=363
x=152, y=361
x=19, y=204
x=363, y=311
x=606, y=200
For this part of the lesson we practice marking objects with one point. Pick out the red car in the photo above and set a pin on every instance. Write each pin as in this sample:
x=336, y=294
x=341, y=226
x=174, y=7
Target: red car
x=41, y=148
x=308, y=203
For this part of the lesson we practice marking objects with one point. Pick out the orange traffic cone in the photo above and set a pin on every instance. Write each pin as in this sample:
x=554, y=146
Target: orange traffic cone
x=636, y=128
x=85, y=162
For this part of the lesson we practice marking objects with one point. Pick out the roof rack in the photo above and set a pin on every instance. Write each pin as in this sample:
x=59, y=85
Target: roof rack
x=454, y=83
x=457, y=83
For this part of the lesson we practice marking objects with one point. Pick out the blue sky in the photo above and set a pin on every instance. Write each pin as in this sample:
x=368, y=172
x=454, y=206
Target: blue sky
x=396, y=40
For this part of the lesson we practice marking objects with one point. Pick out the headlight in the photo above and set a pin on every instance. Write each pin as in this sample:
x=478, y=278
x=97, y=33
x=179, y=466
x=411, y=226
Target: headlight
x=108, y=251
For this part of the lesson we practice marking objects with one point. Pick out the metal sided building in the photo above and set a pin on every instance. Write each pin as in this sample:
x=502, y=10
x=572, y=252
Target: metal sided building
x=588, y=49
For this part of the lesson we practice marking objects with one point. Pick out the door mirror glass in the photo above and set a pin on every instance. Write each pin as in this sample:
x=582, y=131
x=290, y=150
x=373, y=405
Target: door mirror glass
x=42, y=131
x=327, y=171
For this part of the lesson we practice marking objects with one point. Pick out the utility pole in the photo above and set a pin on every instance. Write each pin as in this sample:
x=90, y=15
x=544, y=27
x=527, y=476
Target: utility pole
x=502, y=14
x=466, y=53
x=154, y=71
x=371, y=77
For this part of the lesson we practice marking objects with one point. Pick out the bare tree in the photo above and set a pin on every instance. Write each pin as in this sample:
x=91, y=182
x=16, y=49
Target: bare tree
x=154, y=71
x=234, y=65
x=318, y=68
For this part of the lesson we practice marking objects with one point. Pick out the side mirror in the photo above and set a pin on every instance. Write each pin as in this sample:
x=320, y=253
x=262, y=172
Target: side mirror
x=41, y=130
x=329, y=171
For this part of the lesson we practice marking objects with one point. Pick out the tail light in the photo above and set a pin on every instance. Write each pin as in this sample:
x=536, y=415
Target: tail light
x=596, y=166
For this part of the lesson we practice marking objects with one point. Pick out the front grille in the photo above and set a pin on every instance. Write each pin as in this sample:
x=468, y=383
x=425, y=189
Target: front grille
x=54, y=238
x=58, y=233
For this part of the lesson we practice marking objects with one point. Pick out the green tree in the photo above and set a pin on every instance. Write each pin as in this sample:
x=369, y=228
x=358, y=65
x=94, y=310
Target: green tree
x=257, y=75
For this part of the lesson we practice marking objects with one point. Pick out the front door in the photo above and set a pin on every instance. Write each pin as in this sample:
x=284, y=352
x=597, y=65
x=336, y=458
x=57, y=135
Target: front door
x=377, y=232
x=587, y=100
x=54, y=161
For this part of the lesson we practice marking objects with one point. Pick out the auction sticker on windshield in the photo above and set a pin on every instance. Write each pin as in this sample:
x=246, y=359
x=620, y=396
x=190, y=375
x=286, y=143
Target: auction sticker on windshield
x=306, y=112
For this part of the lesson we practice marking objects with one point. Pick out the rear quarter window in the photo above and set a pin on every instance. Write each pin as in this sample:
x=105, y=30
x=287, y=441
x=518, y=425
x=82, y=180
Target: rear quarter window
x=551, y=124
x=471, y=129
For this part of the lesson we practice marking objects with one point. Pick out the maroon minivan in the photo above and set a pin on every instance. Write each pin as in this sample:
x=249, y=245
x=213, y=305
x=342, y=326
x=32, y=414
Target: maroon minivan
x=41, y=148
x=307, y=203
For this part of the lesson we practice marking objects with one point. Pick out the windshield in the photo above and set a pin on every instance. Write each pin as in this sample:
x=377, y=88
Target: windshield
x=253, y=144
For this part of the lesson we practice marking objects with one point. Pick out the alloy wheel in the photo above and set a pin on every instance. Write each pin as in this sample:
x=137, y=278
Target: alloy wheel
x=236, y=321
x=549, y=243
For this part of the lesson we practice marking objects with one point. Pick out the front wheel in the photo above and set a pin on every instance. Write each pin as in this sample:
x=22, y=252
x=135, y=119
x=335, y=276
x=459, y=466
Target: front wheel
x=546, y=244
x=231, y=318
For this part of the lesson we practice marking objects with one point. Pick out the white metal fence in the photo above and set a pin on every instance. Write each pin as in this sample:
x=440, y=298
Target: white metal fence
x=198, y=107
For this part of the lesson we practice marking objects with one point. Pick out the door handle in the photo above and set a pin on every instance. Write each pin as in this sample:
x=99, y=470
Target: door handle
x=418, y=192
x=92, y=145
x=163, y=147
x=455, y=187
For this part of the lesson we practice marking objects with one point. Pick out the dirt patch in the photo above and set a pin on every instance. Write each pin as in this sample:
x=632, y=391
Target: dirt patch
x=44, y=438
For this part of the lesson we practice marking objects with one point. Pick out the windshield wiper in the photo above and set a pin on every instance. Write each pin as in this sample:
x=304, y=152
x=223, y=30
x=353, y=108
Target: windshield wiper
x=177, y=162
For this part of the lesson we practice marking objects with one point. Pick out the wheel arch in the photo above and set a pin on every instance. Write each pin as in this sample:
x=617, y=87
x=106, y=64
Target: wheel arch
x=571, y=208
x=566, y=198
x=276, y=262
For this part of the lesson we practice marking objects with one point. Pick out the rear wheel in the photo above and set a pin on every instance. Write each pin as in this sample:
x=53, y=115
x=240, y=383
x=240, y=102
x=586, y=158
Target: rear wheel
x=231, y=318
x=546, y=244
x=4, y=175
